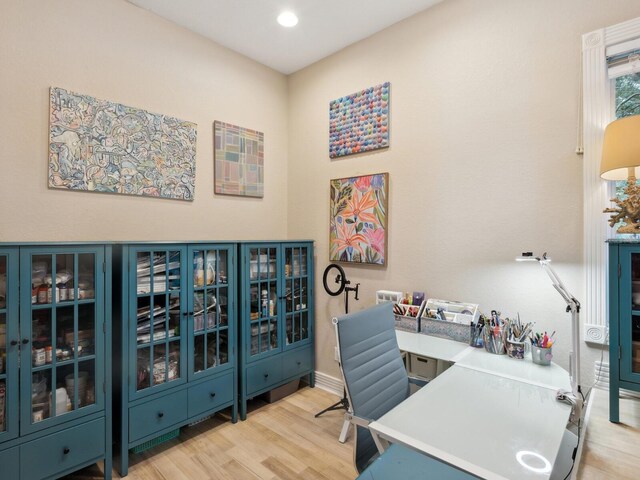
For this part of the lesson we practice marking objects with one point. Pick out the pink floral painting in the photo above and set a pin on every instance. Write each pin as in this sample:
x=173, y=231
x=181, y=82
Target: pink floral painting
x=358, y=223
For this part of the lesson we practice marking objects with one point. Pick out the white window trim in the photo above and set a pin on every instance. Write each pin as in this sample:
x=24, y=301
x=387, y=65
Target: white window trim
x=598, y=111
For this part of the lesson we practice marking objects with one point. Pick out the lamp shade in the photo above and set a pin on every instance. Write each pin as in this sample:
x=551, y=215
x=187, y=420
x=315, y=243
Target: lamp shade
x=621, y=148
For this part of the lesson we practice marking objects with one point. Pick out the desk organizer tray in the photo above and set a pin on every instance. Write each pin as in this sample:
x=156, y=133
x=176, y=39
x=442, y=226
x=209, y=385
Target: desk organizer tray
x=441, y=328
x=407, y=316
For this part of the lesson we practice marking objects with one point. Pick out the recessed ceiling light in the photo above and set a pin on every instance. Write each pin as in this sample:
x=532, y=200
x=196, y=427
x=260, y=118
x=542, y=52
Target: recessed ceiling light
x=288, y=19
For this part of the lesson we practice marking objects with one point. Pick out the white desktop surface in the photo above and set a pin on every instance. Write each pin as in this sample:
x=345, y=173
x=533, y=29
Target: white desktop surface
x=479, y=422
x=433, y=347
x=551, y=376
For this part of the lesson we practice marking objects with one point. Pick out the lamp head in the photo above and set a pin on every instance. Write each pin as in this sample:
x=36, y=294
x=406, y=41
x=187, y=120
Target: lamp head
x=528, y=257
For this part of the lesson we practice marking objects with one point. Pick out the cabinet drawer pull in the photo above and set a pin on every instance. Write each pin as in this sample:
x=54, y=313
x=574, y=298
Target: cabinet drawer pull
x=212, y=394
x=299, y=363
x=160, y=414
x=25, y=341
x=266, y=375
x=66, y=450
x=14, y=343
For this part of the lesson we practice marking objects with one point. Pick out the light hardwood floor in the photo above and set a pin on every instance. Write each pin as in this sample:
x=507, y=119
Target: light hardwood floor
x=611, y=451
x=283, y=440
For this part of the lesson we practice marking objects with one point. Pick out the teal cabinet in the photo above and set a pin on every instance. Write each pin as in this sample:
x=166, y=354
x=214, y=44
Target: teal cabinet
x=176, y=338
x=624, y=321
x=276, y=316
x=55, y=362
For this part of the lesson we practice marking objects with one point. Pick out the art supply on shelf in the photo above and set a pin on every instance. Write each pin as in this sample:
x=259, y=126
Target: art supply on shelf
x=475, y=336
x=516, y=337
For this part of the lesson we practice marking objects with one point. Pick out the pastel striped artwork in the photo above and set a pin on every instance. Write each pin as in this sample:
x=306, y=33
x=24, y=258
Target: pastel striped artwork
x=239, y=160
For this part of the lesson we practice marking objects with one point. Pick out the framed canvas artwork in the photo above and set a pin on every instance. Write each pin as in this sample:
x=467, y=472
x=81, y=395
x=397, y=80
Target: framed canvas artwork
x=100, y=146
x=239, y=160
x=358, y=219
x=359, y=122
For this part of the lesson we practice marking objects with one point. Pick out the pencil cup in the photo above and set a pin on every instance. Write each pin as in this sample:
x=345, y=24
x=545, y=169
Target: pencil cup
x=541, y=356
x=494, y=340
x=516, y=349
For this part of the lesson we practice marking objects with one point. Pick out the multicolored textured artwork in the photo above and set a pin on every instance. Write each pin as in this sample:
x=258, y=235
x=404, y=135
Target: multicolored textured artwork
x=100, y=146
x=358, y=224
x=239, y=160
x=359, y=122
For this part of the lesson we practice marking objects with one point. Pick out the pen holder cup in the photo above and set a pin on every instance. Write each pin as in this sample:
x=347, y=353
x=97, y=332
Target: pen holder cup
x=475, y=337
x=541, y=356
x=516, y=349
x=494, y=340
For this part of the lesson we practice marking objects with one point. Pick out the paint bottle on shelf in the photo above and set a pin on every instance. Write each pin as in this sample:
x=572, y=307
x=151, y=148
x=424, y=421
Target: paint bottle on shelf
x=265, y=303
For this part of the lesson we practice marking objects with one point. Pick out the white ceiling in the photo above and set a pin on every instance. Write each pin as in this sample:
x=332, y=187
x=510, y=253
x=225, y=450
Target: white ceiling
x=249, y=26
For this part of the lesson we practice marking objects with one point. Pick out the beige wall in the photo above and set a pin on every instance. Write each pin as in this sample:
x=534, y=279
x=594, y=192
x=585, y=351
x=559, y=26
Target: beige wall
x=484, y=106
x=484, y=112
x=113, y=50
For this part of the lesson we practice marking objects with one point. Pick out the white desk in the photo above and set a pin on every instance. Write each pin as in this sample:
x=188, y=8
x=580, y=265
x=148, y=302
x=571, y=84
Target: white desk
x=486, y=424
x=433, y=347
x=552, y=376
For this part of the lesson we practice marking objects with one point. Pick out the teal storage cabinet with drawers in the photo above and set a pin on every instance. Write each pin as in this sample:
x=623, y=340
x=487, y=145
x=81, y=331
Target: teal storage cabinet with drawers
x=276, y=316
x=175, y=340
x=624, y=321
x=55, y=359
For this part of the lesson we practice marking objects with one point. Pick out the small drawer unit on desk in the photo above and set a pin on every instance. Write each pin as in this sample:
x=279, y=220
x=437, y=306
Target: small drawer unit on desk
x=154, y=416
x=63, y=451
x=264, y=374
x=210, y=394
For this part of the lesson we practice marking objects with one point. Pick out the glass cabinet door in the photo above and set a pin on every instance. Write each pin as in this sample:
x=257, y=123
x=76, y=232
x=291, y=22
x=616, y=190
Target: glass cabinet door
x=210, y=309
x=62, y=332
x=630, y=327
x=296, y=295
x=8, y=344
x=264, y=335
x=156, y=343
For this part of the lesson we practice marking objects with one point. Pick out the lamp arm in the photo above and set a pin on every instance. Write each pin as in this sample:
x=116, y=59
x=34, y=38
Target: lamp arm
x=573, y=306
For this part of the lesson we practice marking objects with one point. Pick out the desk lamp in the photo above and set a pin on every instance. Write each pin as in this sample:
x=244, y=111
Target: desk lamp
x=620, y=160
x=573, y=306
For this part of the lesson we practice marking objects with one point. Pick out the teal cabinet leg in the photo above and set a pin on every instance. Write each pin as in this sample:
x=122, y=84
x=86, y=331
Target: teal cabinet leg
x=312, y=379
x=614, y=401
x=124, y=461
x=108, y=466
x=243, y=409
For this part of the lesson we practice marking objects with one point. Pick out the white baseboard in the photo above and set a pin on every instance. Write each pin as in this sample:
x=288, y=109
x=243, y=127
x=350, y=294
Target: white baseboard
x=329, y=383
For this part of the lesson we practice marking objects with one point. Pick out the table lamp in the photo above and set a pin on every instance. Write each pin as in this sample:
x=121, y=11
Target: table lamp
x=620, y=161
x=573, y=306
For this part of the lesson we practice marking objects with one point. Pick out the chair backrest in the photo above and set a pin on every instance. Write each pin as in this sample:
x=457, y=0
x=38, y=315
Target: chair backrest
x=373, y=371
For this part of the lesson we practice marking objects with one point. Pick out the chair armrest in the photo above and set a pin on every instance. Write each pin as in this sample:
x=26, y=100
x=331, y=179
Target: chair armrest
x=418, y=381
x=361, y=422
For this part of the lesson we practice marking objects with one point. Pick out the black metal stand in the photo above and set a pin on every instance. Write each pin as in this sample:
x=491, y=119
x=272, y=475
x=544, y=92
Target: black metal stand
x=343, y=403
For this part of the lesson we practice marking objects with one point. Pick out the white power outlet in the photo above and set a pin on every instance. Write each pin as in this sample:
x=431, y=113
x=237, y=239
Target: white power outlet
x=336, y=354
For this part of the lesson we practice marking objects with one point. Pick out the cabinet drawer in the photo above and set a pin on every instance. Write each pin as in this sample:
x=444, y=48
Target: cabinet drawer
x=262, y=375
x=61, y=451
x=295, y=363
x=156, y=415
x=10, y=463
x=208, y=395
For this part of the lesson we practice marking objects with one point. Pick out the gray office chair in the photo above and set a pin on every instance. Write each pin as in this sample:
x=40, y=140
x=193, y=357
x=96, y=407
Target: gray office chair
x=373, y=371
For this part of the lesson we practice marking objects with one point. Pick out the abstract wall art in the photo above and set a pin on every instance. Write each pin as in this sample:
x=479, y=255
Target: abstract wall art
x=359, y=122
x=101, y=146
x=239, y=160
x=358, y=223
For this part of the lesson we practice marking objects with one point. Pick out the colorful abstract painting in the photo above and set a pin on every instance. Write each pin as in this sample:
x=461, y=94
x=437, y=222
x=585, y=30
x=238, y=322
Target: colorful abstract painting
x=358, y=224
x=239, y=160
x=101, y=146
x=359, y=122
